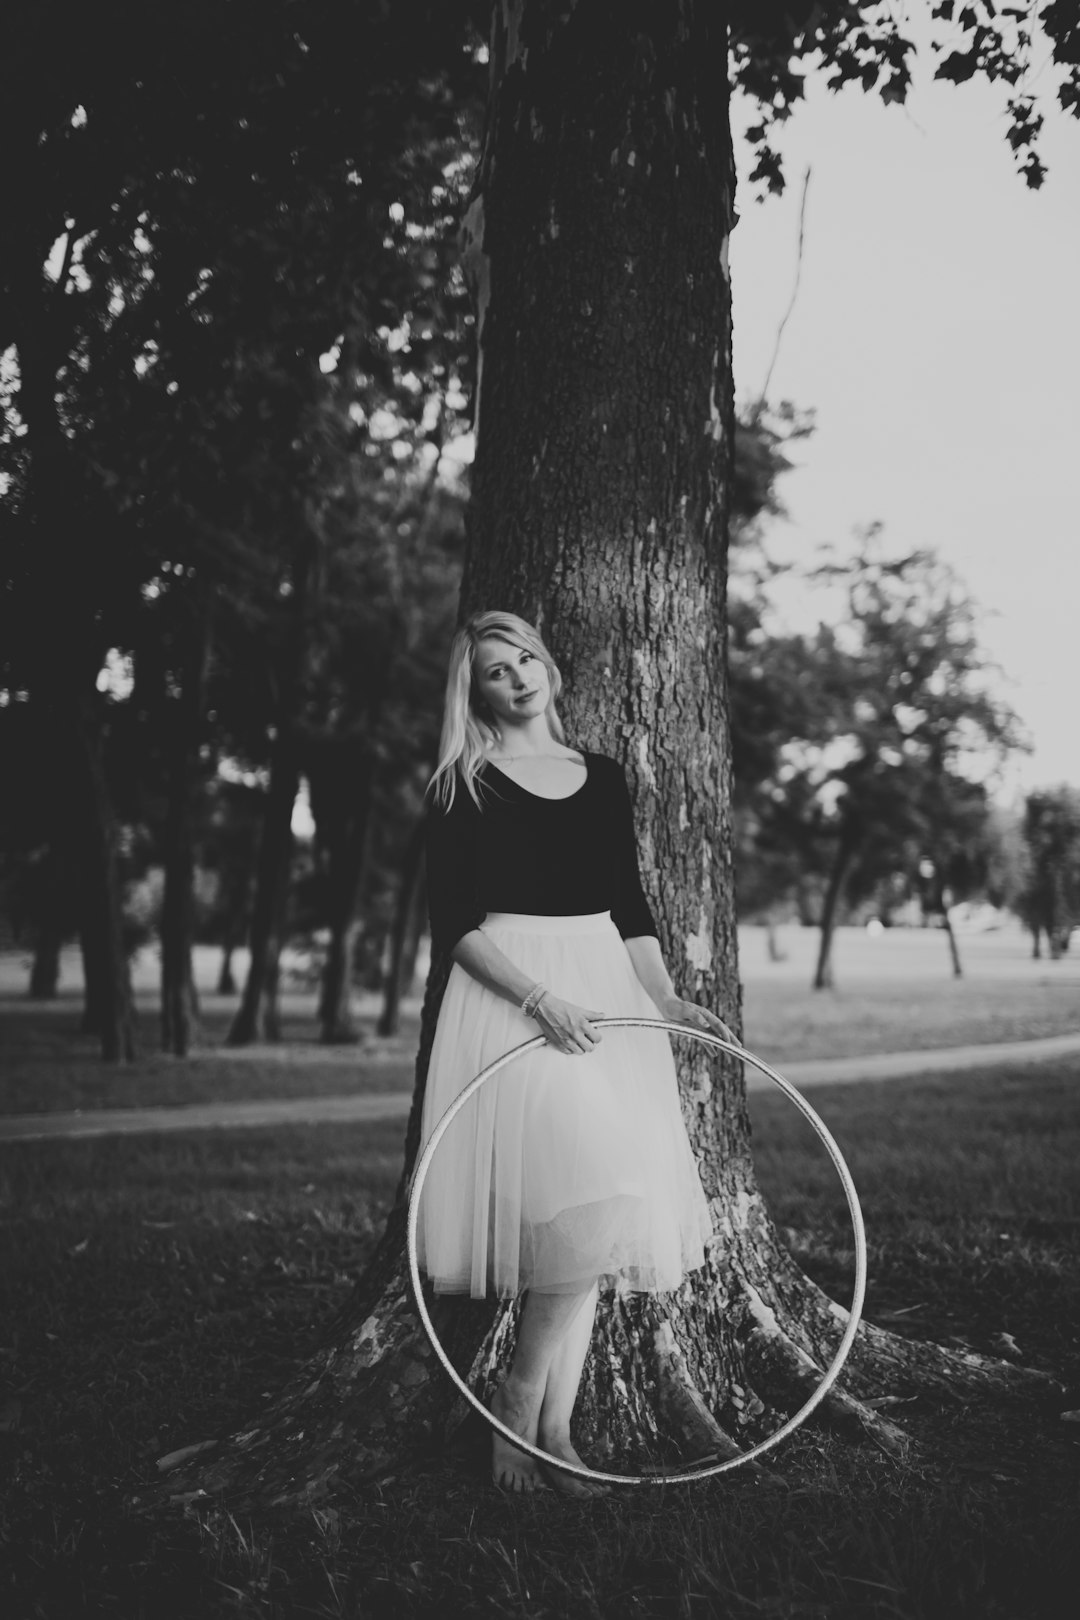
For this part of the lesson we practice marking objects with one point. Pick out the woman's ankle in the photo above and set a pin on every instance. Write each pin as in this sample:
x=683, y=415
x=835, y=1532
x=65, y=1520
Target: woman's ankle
x=516, y=1394
x=553, y=1433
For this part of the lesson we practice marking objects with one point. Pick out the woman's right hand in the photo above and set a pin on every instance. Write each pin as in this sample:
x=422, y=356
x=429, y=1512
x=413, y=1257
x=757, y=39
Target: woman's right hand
x=567, y=1026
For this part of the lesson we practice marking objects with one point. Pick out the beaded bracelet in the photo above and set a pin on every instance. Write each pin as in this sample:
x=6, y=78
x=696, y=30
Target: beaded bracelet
x=533, y=1000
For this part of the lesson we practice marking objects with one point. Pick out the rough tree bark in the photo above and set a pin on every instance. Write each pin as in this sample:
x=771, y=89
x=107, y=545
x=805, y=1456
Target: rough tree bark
x=599, y=237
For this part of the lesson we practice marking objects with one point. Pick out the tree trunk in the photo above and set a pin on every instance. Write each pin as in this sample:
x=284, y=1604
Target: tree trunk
x=415, y=931
x=109, y=1008
x=258, y=1010
x=64, y=655
x=599, y=238
x=93, y=986
x=776, y=953
x=179, y=1001
x=45, y=969
x=823, y=972
x=226, y=983
x=954, y=949
x=404, y=938
x=940, y=895
x=51, y=908
x=341, y=799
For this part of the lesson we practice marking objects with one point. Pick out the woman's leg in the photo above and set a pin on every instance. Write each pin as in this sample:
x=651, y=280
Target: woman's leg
x=547, y=1320
x=560, y=1395
x=564, y=1376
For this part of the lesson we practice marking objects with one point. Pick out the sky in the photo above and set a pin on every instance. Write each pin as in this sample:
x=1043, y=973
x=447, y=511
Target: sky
x=936, y=336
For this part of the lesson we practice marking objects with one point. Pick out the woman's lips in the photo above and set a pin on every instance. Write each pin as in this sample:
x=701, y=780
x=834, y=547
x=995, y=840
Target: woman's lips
x=525, y=697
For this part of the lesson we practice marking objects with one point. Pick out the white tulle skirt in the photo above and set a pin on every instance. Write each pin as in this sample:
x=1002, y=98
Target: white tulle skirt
x=561, y=1169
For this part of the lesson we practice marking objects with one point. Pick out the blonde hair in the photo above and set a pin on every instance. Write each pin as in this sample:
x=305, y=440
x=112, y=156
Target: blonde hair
x=466, y=735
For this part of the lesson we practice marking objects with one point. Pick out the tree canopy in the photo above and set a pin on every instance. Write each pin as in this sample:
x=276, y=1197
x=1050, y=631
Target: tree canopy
x=235, y=335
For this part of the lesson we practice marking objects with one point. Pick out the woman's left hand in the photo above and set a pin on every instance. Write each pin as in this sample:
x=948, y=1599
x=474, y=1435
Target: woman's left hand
x=678, y=1011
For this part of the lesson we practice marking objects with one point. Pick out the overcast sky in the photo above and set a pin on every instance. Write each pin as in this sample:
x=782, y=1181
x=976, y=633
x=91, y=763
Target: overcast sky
x=936, y=337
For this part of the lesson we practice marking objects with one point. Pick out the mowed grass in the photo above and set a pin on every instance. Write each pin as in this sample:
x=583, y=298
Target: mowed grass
x=894, y=993
x=47, y=1066
x=159, y=1287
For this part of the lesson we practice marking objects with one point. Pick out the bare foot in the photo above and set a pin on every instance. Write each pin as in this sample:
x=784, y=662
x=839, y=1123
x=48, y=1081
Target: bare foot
x=559, y=1446
x=511, y=1469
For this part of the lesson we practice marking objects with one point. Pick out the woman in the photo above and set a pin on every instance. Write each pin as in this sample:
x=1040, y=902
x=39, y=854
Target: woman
x=558, y=1177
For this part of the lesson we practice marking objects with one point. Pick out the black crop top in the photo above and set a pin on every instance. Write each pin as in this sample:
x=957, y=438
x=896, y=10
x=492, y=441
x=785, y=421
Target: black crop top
x=548, y=857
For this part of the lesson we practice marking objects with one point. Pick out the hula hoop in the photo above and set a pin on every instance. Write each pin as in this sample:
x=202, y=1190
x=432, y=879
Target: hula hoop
x=707, y=1466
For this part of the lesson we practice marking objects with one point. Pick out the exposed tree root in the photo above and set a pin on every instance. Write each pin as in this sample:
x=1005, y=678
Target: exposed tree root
x=880, y=1358
x=748, y=1337
x=682, y=1408
x=778, y=1363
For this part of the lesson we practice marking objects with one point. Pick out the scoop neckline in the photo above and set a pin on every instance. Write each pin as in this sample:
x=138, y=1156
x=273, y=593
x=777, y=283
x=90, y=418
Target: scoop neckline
x=544, y=798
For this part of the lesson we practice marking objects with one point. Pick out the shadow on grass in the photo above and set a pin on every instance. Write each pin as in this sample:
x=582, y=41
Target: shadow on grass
x=159, y=1288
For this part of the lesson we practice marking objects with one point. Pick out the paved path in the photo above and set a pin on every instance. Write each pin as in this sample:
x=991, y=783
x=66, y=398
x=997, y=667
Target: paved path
x=371, y=1107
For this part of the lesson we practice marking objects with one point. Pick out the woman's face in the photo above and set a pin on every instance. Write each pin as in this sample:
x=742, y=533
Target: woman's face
x=512, y=681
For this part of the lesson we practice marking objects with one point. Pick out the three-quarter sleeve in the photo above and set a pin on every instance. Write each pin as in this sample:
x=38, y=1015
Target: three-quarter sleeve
x=630, y=910
x=454, y=906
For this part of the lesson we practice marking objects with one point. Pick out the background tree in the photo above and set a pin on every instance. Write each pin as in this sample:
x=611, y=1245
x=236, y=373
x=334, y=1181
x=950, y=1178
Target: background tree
x=912, y=711
x=1006, y=858
x=953, y=847
x=1050, y=902
x=597, y=236
x=773, y=689
x=165, y=297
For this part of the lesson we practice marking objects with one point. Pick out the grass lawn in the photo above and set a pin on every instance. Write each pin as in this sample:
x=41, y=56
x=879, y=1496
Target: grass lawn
x=46, y=1066
x=894, y=993
x=157, y=1287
